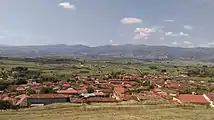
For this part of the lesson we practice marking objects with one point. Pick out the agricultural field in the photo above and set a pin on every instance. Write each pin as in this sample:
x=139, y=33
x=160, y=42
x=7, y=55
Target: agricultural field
x=98, y=67
x=110, y=112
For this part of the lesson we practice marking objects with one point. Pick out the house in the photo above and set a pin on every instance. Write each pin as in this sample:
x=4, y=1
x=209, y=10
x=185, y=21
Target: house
x=157, y=90
x=21, y=100
x=119, y=90
x=189, y=98
x=210, y=98
x=47, y=99
x=86, y=95
x=20, y=89
x=66, y=85
x=70, y=91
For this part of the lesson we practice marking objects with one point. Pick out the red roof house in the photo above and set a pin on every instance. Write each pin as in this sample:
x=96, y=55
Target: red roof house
x=66, y=85
x=187, y=98
x=210, y=96
x=119, y=90
x=66, y=91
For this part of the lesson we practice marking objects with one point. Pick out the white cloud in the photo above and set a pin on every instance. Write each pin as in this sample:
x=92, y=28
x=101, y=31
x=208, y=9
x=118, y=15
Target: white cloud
x=168, y=33
x=171, y=34
x=174, y=35
x=187, y=43
x=168, y=20
x=67, y=5
x=145, y=30
x=141, y=35
x=183, y=34
x=1, y=36
x=131, y=20
x=111, y=41
x=174, y=43
x=188, y=27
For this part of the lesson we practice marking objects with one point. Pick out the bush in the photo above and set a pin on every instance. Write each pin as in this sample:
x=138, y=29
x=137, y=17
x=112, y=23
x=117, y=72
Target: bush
x=20, y=81
x=84, y=71
x=47, y=90
x=3, y=87
x=163, y=70
x=211, y=81
x=90, y=90
x=31, y=91
x=153, y=67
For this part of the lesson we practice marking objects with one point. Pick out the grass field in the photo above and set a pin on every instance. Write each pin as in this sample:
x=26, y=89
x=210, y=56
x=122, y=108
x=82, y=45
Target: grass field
x=110, y=112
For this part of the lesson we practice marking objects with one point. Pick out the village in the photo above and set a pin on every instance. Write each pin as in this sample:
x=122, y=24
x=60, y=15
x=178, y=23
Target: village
x=118, y=88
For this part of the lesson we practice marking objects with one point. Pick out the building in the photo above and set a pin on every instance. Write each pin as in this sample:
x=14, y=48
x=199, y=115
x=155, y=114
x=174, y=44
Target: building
x=44, y=99
x=189, y=98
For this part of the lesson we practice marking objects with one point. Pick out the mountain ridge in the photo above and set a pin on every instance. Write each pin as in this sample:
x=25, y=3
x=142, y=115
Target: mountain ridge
x=120, y=51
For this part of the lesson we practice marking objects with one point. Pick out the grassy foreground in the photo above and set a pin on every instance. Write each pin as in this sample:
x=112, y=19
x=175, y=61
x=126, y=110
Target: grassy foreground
x=110, y=112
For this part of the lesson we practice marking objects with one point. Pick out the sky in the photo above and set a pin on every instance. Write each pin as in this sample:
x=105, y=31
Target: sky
x=182, y=23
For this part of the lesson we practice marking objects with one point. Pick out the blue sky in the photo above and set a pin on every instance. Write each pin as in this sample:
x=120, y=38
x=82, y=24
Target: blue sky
x=186, y=23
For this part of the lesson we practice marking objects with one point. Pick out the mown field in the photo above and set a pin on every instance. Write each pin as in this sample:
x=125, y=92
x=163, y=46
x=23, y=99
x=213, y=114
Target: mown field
x=110, y=112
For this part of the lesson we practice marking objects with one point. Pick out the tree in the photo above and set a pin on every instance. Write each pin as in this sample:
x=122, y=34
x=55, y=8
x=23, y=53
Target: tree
x=3, y=87
x=20, y=81
x=31, y=91
x=153, y=67
x=47, y=90
x=163, y=70
x=90, y=90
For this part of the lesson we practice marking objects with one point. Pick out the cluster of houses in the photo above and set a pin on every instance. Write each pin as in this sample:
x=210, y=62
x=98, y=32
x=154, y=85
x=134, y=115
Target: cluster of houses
x=126, y=87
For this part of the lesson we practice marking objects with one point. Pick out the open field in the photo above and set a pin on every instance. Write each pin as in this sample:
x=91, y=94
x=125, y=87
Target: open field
x=110, y=112
x=94, y=67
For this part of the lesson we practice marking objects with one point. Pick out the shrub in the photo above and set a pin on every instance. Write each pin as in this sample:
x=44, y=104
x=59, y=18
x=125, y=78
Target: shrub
x=90, y=90
x=47, y=90
x=84, y=71
x=31, y=91
x=153, y=67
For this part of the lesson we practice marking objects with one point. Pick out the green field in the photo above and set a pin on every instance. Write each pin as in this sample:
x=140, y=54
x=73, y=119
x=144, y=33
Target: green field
x=110, y=112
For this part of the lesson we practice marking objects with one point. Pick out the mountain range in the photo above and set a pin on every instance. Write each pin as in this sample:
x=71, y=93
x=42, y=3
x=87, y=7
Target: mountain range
x=119, y=51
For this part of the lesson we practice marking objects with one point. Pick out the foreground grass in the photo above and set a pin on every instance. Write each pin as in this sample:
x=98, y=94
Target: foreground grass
x=110, y=112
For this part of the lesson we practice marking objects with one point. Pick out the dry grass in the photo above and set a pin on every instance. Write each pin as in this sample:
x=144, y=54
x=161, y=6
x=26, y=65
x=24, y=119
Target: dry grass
x=110, y=112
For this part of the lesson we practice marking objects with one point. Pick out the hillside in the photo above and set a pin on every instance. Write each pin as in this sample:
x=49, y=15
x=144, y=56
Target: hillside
x=110, y=112
x=120, y=51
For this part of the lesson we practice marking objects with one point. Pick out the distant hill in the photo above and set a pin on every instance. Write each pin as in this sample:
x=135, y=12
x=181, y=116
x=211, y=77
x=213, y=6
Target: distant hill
x=120, y=51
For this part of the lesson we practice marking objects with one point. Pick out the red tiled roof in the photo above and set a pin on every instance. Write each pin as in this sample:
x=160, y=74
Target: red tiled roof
x=119, y=90
x=48, y=96
x=70, y=91
x=211, y=96
x=127, y=85
x=192, y=98
x=66, y=85
x=157, y=90
x=20, y=89
x=21, y=96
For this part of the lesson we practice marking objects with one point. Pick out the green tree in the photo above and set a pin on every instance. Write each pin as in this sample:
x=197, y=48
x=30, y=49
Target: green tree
x=47, y=90
x=31, y=91
x=21, y=81
x=90, y=90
